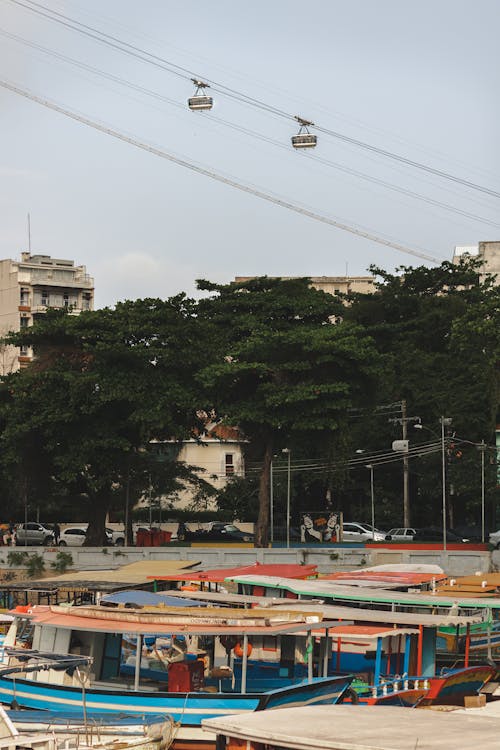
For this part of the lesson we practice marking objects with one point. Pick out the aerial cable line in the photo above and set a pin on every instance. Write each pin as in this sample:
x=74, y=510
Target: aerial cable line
x=216, y=176
x=247, y=131
x=179, y=71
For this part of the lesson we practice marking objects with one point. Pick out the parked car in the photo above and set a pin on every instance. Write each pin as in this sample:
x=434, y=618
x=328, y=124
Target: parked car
x=495, y=539
x=435, y=534
x=400, y=535
x=74, y=536
x=217, y=531
x=117, y=537
x=32, y=533
x=361, y=532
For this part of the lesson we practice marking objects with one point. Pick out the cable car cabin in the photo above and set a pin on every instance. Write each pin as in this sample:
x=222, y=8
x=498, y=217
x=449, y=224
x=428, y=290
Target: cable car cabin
x=304, y=140
x=200, y=102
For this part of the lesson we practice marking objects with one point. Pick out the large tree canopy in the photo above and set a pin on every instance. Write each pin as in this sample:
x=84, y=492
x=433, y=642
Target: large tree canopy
x=288, y=368
x=103, y=385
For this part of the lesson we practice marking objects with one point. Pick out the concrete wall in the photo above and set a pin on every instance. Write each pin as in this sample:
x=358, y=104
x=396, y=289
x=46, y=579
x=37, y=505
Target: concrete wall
x=454, y=563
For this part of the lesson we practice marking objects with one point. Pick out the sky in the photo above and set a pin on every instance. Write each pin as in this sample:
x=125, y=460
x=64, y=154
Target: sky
x=417, y=79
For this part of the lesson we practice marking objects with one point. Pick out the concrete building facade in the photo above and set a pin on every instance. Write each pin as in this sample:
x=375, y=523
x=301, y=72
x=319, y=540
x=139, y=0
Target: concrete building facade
x=488, y=252
x=31, y=286
x=333, y=284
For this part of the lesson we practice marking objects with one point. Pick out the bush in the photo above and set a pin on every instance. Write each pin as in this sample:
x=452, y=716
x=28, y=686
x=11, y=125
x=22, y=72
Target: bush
x=63, y=561
x=35, y=565
x=16, y=558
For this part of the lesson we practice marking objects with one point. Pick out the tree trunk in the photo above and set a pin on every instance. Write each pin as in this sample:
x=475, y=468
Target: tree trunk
x=262, y=528
x=96, y=531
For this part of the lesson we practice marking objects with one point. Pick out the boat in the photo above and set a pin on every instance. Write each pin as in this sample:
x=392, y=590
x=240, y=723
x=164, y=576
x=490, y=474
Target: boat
x=189, y=679
x=154, y=732
x=354, y=728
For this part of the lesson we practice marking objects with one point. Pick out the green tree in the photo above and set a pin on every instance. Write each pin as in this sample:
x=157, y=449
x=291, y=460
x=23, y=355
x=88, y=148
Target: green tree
x=427, y=324
x=103, y=385
x=288, y=367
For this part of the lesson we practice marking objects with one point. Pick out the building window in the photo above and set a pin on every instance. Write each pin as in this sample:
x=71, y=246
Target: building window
x=24, y=298
x=45, y=298
x=86, y=301
x=65, y=299
x=24, y=351
x=229, y=464
x=24, y=321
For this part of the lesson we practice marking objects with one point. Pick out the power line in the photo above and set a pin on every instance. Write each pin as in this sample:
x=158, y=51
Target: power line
x=216, y=176
x=185, y=73
x=247, y=131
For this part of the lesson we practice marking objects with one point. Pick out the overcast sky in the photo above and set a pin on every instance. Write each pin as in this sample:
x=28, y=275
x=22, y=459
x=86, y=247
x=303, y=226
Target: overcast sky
x=419, y=79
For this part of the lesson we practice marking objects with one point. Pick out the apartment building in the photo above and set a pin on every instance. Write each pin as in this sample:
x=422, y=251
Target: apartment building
x=31, y=286
x=488, y=252
x=332, y=284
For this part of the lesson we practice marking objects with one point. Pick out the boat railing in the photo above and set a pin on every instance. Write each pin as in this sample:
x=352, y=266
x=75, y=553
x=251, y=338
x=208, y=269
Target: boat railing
x=400, y=682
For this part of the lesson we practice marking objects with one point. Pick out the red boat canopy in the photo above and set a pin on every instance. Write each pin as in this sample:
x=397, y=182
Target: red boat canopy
x=218, y=575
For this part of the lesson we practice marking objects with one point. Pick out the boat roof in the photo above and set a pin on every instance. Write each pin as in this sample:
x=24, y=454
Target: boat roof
x=384, y=578
x=362, y=632
x=101, y=619
x=359, y=728
x=333, y=590
x=127, y=576
x=218, y=575
x=333, y=611
x=146, y=598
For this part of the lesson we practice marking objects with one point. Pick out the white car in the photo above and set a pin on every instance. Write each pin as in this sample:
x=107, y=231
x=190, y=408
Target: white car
x=74, y=536
x=361, y=532
x=400, y=535
x=495, y=539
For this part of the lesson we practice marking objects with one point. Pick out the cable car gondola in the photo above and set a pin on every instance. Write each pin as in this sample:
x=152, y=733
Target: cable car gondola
x=200, y=100
x=304, y=139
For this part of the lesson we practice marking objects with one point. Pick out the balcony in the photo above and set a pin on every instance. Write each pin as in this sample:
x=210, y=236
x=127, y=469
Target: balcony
x=78, y=280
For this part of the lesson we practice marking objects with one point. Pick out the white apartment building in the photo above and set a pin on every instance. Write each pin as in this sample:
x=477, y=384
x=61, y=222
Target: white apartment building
x=488, y=252
x=31, y=286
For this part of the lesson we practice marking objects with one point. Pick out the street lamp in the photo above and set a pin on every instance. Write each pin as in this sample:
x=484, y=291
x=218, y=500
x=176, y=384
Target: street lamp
x=370, y=466
x=289, y=453
x=445, y=422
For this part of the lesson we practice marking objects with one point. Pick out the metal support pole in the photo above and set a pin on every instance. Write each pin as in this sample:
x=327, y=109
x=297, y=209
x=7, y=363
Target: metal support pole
x=483, y=447
x=406, y=468
x=443, y=470
x=372, y=493
x=327, y=652
x=310, y=657
x=244, y=665
x=271, y=502
x=288, y=501
x=138, y=654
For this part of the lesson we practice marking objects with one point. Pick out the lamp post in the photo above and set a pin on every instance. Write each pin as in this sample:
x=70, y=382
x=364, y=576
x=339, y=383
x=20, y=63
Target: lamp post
x=271, y=501
x=370, y=467
x=482, y=448
x=289, y=453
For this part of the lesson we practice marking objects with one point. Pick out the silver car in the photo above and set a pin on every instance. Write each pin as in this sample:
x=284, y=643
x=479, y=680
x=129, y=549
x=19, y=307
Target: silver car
x=33, y=533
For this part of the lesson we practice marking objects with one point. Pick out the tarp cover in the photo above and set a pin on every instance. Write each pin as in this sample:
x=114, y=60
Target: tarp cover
x=143, y=598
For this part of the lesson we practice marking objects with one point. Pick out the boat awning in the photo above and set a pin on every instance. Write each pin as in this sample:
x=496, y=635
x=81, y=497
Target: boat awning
x=218, y=575
x=362, y=632
x=334, y=590
x=383, y=578
x=359, y=728
x=95, y=624
x=334, y=612
x=144, y=598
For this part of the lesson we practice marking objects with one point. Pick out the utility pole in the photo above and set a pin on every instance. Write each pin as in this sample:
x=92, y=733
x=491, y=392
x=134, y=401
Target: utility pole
x=406, y=468
x=403, y=421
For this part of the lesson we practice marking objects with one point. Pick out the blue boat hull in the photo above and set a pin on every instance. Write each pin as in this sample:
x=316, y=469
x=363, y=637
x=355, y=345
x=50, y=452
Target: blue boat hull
x=188, y=709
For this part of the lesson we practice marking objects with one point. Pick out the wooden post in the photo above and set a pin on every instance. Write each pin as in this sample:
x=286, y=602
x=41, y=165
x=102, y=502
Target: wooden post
x=326, y=652
x=467, y=646
x=420, y=649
